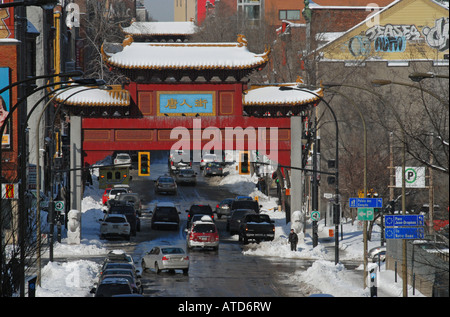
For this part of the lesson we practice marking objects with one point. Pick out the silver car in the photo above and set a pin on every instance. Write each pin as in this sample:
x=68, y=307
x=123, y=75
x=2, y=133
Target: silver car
x=166, y=258
x=187, y=176
x=207, y=158
x=123, y=159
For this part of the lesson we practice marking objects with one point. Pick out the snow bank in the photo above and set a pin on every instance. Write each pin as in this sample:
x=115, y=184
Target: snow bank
x=68, y=279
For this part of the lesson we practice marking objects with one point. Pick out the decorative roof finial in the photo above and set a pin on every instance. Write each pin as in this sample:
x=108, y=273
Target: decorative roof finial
x=241, y=40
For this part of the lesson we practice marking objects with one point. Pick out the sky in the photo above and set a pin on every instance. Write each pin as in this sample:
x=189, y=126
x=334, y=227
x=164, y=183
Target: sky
x=160, y=10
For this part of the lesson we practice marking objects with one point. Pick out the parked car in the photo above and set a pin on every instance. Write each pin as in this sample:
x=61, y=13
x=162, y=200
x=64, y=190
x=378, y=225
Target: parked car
x=105, y=196
x=108, y=265
x=187, y=176
x=256, y=227
x=124, y=159
x=224, y=207
x=124, y=208
x=234, y=222
x=376, y=252
x=245, y=204
x=112, y=286
x=165, y=184
x=135, y=283
x=115, y=225
x=207, y=158
x=203, y=234
x=166, y=258
x=134, y=199
x=213, y=168
x=199, y=209
x=165, y=215
x=119, y=256
x=118, y=271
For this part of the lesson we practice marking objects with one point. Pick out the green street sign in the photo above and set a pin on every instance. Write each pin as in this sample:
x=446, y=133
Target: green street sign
x=59, y=205
x=315, y=215
x=366, y=213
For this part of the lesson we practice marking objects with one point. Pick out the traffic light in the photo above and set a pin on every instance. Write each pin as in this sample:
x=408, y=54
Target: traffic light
x=144, y=164
x=244, y=163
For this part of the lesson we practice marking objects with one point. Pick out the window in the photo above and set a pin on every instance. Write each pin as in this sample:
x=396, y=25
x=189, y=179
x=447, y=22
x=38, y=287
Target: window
x=289, y=14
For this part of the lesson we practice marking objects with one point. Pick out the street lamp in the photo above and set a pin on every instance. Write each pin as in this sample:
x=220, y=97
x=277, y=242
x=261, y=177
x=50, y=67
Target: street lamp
x=384, y=82
x=417, y=77
x=336, y=198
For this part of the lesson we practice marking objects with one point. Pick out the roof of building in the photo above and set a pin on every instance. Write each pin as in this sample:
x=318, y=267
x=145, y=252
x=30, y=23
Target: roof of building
x=272, y=95
x=89, y=96
x=197, y=56
x=349, y=3
x=160, y=28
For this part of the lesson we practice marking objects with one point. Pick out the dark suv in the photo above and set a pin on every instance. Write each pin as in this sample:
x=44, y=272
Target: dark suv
x=165, y=215
x=199, y=209
x=127, y=209
x=245, y=204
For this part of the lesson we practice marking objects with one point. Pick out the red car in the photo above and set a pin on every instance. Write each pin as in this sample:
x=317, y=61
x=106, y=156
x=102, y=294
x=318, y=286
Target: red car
x=203, y=234
x=105, y=196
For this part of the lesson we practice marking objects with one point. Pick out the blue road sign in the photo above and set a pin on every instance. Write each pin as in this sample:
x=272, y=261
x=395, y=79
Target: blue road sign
x=404, y=220
x=404, y=233
x=366, y=202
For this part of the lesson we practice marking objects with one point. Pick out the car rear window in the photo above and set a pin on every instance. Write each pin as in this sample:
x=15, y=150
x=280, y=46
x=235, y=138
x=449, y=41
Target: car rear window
x=122, y=210
x=162, y=212
x=172, y=251
x=258, y=218
x=115, y=220
x=108, y=290
x=203, y=209
x=245, y=204
x=204, y=228
x=166, y=180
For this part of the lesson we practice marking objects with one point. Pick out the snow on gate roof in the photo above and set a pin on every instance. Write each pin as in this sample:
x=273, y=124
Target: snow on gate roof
x=197, y=56
x=261, y=95
x=89, y=96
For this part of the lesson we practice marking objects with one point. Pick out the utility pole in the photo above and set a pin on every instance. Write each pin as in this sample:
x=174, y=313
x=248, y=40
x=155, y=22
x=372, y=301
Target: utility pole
x=315, y=184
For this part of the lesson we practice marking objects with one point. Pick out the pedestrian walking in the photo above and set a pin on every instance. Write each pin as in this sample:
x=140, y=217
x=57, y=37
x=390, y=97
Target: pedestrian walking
x=293, y=240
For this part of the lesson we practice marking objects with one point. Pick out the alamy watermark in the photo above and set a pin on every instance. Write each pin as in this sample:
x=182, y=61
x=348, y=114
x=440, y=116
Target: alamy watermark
x=233, y=139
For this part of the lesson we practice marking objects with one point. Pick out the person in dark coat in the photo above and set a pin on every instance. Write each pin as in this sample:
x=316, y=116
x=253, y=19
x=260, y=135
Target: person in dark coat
x=293, y=240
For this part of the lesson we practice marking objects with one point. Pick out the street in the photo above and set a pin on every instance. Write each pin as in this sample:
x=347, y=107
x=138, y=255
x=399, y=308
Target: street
x=226, y=272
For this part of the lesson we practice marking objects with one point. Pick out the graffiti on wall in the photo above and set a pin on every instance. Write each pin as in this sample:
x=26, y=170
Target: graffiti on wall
x=437, y=36
x=4, y=30
x=391, y=38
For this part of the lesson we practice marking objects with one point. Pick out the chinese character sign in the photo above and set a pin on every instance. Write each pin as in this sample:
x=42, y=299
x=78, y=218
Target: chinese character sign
x=178, y=103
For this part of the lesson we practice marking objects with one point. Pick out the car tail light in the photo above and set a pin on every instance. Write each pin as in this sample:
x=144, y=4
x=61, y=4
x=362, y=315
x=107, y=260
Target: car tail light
x=164, y=258
x=126, y=224
x=186, y=258
x=217, y=206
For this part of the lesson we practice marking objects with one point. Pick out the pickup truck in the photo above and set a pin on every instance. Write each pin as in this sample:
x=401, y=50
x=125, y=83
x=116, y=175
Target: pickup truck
x=257, y=227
